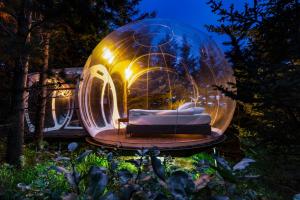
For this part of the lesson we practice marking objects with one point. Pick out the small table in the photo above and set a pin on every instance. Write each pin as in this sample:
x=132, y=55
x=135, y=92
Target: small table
x=121, y=120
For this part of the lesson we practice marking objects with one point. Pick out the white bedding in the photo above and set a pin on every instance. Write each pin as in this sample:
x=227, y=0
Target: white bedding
x=170, y=119
x=190, y=116
x=189, y=111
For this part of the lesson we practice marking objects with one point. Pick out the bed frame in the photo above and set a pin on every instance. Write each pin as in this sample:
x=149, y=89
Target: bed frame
x=203, y=129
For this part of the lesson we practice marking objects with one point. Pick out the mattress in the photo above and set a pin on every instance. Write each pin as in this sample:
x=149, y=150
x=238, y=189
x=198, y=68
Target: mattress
x=189, y=111
x=169, y=119
x=203, y=129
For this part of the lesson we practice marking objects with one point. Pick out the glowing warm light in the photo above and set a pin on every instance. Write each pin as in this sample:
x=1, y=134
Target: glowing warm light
x=64, y=93
x=128, y=73
x=108, y=55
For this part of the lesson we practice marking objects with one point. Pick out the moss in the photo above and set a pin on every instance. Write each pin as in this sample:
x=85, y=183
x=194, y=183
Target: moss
x=184, y=163
x=203, y=157
x=37, y=176
x=91, y=160
x=123, y=165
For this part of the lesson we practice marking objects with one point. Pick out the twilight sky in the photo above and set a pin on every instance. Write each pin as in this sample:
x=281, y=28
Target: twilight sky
x=193, y=12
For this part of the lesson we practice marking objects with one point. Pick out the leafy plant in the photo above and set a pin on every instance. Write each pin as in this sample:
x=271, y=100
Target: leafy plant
x=147, y=175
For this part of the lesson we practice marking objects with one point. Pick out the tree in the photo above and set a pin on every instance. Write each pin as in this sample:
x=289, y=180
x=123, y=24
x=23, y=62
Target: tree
x=85, y=24
x=42, y=94
x=85, y=27
x=265, y=54
x=81, y=24
x=20, y=29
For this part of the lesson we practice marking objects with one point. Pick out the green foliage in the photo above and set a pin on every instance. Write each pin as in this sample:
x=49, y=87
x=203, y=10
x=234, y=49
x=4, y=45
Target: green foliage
x=145, y=176
x=182, y=164
x=264, y=52
x=90, y=174
x=34, y=180
x=123, y=165
x=91, y=160
x=10, y=175
x=31, y=32
x=203, y=157
x=30, y=156
x=264, y=49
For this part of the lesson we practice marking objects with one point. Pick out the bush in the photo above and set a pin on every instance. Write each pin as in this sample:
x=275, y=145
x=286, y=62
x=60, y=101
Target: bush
x=102, y=174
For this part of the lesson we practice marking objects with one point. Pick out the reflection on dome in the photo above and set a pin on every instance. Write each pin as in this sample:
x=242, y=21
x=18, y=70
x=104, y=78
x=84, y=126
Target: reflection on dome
x=152, y=69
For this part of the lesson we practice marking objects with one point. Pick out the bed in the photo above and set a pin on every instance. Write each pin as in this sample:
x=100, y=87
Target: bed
x=187, y=119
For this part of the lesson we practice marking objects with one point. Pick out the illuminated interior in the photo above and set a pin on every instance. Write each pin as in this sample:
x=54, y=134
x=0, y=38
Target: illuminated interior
x=155, y=66
x=60, y=105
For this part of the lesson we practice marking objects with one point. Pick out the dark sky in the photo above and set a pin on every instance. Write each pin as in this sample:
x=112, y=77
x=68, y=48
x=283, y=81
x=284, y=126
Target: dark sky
x=193, y=12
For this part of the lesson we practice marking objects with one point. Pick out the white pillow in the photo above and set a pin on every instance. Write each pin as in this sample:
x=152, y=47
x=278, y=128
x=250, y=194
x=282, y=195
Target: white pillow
x=188, y=111
x=186, y=106
x=177, y=112
x=196, y=110
x=140, y=112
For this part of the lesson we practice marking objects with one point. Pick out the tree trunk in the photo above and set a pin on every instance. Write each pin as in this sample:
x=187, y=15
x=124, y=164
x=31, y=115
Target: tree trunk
x=41, y=106
x=16, y=134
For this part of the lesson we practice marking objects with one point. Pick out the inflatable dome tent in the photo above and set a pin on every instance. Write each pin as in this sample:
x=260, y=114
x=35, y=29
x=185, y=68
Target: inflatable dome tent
x=61, y=102
x=159, y=76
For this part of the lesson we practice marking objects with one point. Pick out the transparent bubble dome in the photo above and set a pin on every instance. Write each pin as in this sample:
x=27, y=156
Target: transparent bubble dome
x=59, y=104
x=154, y=64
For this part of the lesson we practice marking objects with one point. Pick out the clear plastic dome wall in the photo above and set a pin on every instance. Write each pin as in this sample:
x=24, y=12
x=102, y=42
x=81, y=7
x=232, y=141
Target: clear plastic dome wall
x=59, y=104
x=154, y=64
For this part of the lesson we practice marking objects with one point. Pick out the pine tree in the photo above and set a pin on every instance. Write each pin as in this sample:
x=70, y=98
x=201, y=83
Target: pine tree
x=265, y=55
x=75, y=27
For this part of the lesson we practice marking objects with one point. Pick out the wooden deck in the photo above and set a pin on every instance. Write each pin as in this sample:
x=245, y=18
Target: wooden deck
x=112, y=139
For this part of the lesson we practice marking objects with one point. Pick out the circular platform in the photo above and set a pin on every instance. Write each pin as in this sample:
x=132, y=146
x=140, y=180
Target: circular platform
x=167, y=142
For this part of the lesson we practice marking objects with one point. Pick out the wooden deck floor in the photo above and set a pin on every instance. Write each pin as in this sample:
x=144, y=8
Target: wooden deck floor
x=110, y=138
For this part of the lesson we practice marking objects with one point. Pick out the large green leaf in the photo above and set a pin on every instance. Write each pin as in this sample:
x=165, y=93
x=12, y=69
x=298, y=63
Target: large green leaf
x=83, y=155
x=180, y=184
x=72, y=146
x=97, y=181
x=158, y=167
